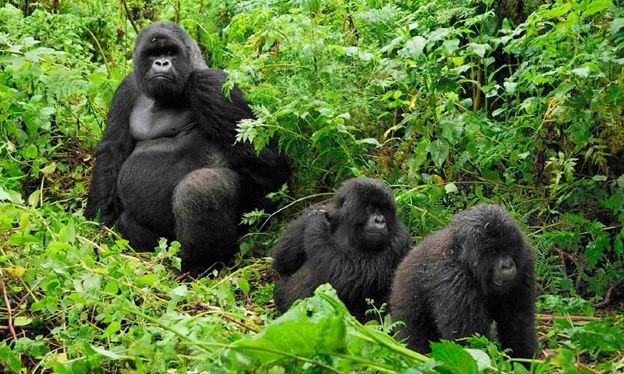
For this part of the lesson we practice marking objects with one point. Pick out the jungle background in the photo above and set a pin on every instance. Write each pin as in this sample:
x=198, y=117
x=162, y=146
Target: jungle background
x=451, y=102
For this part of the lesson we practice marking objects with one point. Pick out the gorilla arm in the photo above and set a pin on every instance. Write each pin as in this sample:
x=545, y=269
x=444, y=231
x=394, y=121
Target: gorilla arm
x=289, y=254
x=515, y=320
x=459, y=310
x=218, y=117
x=330, y=263
x=115, y=147
x=217, y=114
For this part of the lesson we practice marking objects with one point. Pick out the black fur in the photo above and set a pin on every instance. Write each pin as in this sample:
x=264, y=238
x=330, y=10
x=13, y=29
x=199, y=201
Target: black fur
x=445, y=289
x=330, y=244
x=167, y=164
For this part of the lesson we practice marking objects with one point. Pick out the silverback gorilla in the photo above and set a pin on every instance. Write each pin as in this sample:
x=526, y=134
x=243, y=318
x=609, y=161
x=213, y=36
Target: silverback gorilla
x=167, y=164
x=355, y=244
x=456, y=281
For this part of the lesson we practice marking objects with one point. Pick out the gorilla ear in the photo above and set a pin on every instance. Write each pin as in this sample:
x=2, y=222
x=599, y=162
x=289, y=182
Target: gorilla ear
x=332, y=216
x=339, y=202
x=461, y=238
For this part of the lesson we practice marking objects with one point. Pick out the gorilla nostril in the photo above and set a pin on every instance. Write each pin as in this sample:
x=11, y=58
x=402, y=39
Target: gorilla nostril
x=507, y=264
x=161, y=65
x=379, y=220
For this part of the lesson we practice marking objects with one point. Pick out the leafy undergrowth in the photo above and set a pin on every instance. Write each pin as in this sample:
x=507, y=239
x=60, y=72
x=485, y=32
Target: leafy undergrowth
x=451, y=102
x=81, y=300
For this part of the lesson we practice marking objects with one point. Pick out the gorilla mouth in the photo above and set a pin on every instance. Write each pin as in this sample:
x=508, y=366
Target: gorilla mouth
x=160, y=76
x=376, y=233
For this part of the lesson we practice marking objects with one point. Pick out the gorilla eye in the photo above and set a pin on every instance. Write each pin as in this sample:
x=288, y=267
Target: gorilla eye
x=157, y=52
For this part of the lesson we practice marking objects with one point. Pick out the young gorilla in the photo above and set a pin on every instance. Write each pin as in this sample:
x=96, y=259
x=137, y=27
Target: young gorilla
x=455, y=282
x=355, y=244
x=167, y=164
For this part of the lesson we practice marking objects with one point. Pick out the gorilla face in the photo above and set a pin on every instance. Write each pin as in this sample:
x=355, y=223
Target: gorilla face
x=162, y=63
x=496, y=269
x=375, y=228
x=366, y=212
x=493, y=250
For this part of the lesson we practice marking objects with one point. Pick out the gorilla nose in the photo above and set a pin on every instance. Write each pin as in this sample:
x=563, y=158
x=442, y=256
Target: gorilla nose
x=161, y=65
x=507, y=263
x=507, y=270
x=379, y=221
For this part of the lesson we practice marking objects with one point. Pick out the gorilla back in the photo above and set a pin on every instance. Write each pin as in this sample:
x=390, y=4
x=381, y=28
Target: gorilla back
x=166, y=165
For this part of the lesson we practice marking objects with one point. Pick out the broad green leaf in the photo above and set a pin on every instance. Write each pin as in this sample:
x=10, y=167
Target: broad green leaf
x=310, y=328
x=616, y=25
x=597, y=6
x=450, y=188
x=415, y=46
x=439, y=150
x=243, y=285
x=147, y=280
x=30, y=151
x=22, y=321
x=478, y=49
x=454, y=358
x=482, y=359
x=420, y=154
x=180, y=291
x=558, y=11
x=34, y=198
x=371, y=141
x=107, y=353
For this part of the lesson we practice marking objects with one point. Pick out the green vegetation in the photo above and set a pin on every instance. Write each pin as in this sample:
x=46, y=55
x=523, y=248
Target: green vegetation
x=452, y=102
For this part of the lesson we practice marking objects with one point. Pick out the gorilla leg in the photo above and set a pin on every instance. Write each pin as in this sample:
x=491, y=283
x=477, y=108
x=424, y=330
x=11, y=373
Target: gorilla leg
x=141, y=238
x=205, y=203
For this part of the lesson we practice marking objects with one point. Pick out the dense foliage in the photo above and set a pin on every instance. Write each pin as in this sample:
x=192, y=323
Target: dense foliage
x=451, y=102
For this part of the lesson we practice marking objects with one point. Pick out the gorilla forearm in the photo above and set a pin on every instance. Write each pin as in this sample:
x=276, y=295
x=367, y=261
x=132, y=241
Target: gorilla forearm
x=114, y=148
x=288, y=254
x=515, y=318
x=218, y=117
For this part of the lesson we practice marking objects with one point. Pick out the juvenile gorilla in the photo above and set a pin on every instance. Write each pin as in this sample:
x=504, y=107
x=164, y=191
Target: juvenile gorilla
x=355, y=244
x=453, y=284
x=167, y=164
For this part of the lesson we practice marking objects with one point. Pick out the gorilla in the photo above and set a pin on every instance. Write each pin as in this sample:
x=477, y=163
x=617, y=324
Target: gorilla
x=355, y=243
x=458, y=280
x=167, y=164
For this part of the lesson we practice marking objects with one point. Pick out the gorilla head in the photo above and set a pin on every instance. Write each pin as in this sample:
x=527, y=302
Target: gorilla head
x=164, y=57
x=492, y=246
x=365, y=214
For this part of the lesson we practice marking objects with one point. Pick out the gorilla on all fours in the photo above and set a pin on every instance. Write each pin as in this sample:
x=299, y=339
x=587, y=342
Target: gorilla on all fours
x=458, y=280
x=355, y=244
x=168, y=165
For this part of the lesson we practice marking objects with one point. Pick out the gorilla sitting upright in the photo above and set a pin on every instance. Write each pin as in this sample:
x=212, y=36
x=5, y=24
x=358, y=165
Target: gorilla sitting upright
x=167, y=164
x=355, y=244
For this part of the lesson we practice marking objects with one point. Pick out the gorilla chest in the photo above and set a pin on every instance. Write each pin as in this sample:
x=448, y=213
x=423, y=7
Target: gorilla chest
x=149, y=121
x=168, y=146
